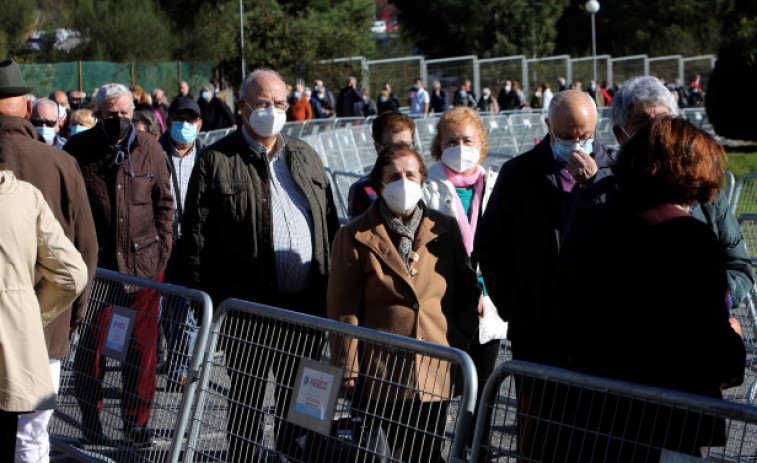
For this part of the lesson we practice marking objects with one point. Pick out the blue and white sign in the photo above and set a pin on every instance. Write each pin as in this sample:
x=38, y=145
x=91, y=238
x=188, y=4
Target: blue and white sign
x=314, y=397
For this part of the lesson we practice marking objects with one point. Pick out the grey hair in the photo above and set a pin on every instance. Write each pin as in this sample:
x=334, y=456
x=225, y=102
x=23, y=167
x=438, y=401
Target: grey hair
x=45, y=102
x=112, y=91
x=637, y=93
x=560, y=97
x=254, y=75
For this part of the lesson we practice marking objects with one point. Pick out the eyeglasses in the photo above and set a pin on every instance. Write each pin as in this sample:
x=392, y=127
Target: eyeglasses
x=264, y=104
x=45, y=122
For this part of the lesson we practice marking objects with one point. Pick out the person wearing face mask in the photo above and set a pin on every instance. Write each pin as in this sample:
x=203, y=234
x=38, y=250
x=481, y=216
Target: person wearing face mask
x=81, y=120
x=458, y=186
x=56, y=174
x=45, y=119
x=487, y=104
x=402, y=268
x=419, y=98
x=508, y=98
x=299, y=106
x=349, y=103
x=259, y=219
x=215, y=113
x=519, y=236
x=130, y=197
x=638, y=101
x=182, y=149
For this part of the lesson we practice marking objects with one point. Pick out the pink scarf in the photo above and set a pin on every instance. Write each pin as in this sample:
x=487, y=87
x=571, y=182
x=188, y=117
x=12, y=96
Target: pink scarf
x=459, y=181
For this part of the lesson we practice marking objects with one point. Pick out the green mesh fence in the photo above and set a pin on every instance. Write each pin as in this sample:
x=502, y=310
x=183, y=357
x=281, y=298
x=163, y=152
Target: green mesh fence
x=65, y=76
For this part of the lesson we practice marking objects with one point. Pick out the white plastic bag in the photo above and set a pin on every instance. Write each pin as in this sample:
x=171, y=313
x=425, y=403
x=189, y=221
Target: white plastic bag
x=490, y=326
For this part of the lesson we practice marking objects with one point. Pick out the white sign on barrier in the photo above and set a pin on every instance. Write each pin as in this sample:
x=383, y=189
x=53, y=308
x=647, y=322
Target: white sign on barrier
x=314, y=396
x=119, y=332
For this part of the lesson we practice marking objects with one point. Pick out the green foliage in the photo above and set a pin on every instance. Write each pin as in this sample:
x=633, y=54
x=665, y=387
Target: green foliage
x=18, y=18
x=729, y=103
x=653, y=27
x=122, y=30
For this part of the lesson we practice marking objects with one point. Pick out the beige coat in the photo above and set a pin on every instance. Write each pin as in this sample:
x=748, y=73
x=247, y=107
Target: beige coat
x=370, y=286
x=31, y=240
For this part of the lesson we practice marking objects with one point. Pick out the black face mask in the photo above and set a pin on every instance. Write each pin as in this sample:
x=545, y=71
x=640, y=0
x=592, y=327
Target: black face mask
x=75, y=106
x=116, y=128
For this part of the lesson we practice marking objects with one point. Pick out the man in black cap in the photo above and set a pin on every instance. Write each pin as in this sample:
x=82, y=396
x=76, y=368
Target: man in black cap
x=182, y=149
x=56, y=174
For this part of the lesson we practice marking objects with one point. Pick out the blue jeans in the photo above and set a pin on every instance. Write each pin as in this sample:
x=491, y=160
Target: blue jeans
x=180, y=329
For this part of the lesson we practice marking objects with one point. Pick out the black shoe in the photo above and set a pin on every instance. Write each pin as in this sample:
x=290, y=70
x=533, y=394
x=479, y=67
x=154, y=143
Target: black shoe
x=139, y=436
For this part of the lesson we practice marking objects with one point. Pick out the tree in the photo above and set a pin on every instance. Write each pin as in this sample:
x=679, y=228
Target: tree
x=653, y=27
x=735, y=69
x=442, y=28
x=18, y=18
x=123, y=30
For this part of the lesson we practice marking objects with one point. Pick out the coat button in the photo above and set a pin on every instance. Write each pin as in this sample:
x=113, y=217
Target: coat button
x=415, y=306
x=119, y=186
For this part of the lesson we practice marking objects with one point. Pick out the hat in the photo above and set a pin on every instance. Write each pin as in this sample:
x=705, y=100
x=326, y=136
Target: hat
x=11, y=82
x=183, y=103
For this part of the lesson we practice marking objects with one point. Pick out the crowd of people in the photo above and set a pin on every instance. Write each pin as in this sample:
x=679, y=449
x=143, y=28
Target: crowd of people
x=427, y=253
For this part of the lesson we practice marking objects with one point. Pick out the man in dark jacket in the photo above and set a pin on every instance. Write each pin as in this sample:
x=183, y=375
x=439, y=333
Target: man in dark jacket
x=57, y=176
x=182, y=149
x=215, y=113
x=350, y=100
x=508, y=98
x=128, y=187
x=258, y=225
x=637, y=101
x=519, y=236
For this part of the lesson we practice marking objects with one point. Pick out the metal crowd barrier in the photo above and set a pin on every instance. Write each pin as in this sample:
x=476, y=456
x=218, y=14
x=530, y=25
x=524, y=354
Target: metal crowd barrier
x=274, y=390
x=113, y=405
x=745, y=195
x=562, y=415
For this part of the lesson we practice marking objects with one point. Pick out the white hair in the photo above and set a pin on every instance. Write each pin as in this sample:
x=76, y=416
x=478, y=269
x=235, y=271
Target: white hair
x=40, y=102
x=254, y=75
x=112, y=91
x=638, y=93
x=560, y=98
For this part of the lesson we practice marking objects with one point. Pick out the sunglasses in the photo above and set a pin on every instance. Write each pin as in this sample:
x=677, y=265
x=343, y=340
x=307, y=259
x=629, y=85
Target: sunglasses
x=45, y=122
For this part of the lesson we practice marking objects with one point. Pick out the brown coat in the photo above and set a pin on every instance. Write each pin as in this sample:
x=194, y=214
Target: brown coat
x=370, y=286
x=131, y=204
x=57, y=176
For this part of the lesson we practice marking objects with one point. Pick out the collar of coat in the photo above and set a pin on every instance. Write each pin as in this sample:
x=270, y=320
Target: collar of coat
x=19, y=125
x=372, y=233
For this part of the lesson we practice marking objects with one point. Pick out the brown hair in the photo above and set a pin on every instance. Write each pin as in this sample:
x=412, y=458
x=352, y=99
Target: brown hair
x=454, y=118
x=391, y=152
x=391, y=122
x=670, y=160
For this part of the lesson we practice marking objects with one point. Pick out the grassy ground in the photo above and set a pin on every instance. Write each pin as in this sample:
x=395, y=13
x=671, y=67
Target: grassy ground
x=742, y=160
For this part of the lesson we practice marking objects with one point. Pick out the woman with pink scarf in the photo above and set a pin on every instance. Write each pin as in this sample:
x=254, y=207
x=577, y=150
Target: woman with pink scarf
x=457, y=185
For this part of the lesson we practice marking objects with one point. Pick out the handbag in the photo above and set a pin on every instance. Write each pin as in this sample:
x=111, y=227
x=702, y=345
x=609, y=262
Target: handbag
x=491, y=326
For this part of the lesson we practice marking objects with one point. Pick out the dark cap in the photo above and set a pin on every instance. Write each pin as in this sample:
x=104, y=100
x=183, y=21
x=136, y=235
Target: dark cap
x=11, y=82
x=183, y=103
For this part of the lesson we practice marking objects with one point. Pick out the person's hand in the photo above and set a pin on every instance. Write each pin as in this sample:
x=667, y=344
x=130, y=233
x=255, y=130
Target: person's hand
x=348, y=386
x=481, y=306
x=735, y=325
x=581, y=167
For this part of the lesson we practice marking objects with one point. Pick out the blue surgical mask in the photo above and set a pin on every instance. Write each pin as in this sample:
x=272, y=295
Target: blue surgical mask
x=77, y=129
x=415, y=87
x=215, y=91
x=296, y=95
x=319, y=96
x=563, y=148
x=205, y=95
x=382, y=99
x=183, y=132
x=48, y=133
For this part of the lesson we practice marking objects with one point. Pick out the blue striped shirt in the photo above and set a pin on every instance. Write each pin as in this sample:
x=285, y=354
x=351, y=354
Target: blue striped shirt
x=291, y=220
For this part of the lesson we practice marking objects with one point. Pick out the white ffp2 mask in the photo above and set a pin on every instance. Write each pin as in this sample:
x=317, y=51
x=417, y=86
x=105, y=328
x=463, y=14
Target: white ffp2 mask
x=267, y=122
x=401, y=196
x=461, y=158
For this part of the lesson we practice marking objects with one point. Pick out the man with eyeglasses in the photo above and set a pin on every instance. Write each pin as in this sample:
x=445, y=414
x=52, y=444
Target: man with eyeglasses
x=258, y=223
x=57, y=176
x=519, y=236
x=45, y=119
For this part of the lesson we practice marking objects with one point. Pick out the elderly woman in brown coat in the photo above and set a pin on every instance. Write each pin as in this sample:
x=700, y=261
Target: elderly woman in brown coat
x=402, y=268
